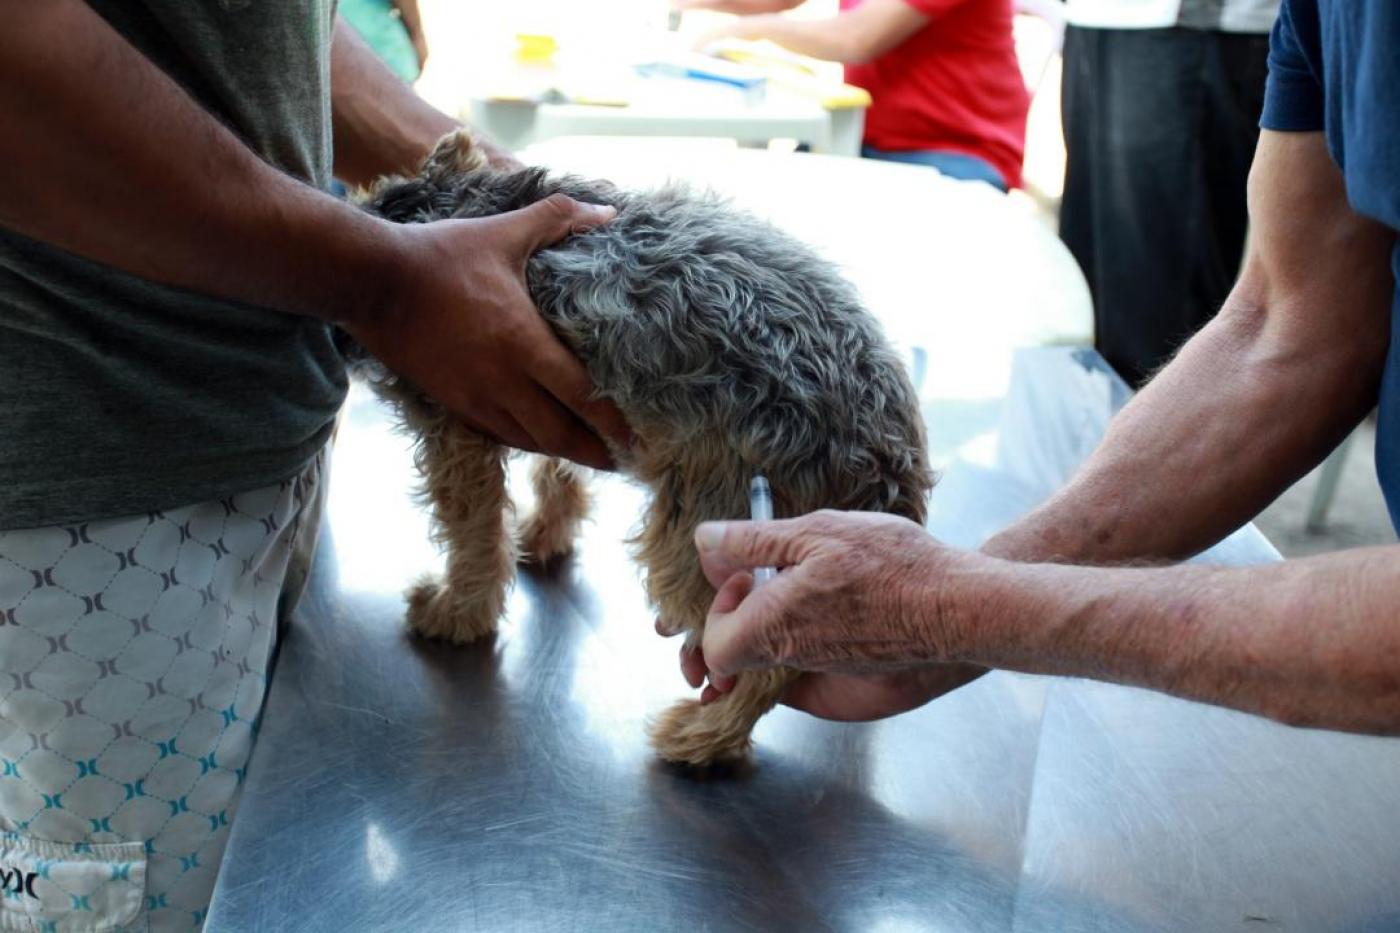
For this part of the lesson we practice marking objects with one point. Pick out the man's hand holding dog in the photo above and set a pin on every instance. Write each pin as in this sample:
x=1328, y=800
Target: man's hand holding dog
x=459, y=323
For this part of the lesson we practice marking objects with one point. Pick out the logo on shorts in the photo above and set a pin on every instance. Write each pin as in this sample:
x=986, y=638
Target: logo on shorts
x=17, y=881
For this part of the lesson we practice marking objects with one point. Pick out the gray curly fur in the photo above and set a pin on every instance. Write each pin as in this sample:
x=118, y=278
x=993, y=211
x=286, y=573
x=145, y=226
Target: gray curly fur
x=710, y=328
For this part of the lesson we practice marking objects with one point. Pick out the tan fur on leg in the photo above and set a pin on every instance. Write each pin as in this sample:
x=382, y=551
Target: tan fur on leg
x=687, y=489
x=561, y=504
x=465, y=479
x=454, y=154
x=719, y=733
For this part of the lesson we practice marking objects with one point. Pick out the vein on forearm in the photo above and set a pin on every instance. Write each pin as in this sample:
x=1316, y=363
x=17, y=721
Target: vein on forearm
x=1310, y=642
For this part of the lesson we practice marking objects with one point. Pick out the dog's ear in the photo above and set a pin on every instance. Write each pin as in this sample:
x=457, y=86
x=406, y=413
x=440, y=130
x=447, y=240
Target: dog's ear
x=454, y=154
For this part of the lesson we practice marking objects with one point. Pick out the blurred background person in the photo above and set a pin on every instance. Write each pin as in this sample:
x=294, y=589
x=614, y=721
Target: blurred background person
x=1161, y=106
x=943, y=74
x=394, y=30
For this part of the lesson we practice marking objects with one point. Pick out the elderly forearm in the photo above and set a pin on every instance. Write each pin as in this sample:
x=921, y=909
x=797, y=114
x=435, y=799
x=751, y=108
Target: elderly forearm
x=1309, y=642
x=1200, y=451
x=1254, y=400
x=106, y=157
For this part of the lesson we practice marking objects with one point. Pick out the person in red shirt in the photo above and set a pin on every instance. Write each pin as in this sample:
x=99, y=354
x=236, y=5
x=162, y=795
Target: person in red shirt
x=943, y=75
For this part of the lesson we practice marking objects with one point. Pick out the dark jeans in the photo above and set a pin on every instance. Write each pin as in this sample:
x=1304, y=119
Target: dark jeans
x=952, y=164
x=1160, y=129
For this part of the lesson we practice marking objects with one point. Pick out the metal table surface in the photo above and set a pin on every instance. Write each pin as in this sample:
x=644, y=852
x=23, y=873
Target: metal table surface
x=404, y=785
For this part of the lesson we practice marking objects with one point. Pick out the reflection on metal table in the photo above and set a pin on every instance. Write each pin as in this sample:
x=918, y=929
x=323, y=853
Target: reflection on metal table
x=404, y=785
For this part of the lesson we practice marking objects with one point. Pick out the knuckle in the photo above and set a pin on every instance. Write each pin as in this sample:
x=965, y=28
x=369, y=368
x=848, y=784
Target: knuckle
x=560, y=206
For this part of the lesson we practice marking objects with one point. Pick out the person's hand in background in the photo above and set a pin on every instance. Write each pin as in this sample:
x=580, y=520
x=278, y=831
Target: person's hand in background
x=458, y=322
x=739, y=7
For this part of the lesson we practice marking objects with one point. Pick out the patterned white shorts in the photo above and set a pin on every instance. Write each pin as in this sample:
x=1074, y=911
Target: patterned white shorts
x=133, y=663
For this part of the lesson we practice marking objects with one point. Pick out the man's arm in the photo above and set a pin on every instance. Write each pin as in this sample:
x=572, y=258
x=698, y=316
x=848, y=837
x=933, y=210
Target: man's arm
x=851, y=37
x=381, y=127
x=1256, y=399
x=1311, y=642
x=106, y=157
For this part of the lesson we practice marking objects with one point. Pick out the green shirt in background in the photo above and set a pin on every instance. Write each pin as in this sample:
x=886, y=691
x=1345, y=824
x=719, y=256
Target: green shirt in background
x=378, y=23
x=120, y=396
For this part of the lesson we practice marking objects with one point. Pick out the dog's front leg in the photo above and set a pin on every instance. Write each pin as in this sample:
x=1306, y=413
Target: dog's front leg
x=464, y=477
x=561, y=505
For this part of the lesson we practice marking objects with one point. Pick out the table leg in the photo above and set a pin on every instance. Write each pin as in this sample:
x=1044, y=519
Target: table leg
x=510, y=124
x=847, y=129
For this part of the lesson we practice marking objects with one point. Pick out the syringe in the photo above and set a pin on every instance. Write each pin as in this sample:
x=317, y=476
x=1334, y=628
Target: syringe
x=761, y=510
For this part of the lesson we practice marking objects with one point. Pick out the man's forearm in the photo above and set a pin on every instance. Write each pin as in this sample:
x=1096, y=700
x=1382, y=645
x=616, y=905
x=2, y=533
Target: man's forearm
x=1253, y=401
x=1309, y=642
x=381, y=126
x=106, y=157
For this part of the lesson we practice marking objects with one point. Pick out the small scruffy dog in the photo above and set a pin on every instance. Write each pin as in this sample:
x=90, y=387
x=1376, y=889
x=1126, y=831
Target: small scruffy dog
x=730, y=348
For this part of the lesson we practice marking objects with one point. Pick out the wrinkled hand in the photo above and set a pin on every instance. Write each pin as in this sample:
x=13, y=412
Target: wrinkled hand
x=460, y=325
x=849, y=606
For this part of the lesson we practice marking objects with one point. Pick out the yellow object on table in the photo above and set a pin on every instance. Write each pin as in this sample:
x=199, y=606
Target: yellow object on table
x=535, y=48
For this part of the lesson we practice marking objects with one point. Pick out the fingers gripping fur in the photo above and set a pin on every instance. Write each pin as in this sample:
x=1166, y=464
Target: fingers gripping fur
x=561, y=504
x=691, y=734
x=464, y=478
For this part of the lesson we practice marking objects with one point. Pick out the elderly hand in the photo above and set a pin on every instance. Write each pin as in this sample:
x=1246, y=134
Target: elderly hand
x=460, y=325
x=851, y=604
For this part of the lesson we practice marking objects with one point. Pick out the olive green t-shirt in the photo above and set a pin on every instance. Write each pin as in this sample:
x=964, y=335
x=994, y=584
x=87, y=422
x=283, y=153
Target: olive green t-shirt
x=120, y=396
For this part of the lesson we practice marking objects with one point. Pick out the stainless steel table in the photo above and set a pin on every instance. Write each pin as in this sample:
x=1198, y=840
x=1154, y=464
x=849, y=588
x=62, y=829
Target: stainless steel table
x=402, y=785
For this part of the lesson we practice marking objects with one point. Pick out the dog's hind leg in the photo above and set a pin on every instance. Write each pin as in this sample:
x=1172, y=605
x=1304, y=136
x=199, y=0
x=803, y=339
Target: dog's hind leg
x=685, y=492
x=464, y=477
x=561, y=504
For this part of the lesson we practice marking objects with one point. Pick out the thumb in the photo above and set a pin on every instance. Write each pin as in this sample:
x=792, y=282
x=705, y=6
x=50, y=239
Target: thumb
x=546, y=222
x=727, y=548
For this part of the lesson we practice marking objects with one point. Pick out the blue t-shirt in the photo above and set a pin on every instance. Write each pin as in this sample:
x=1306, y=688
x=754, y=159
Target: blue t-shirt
x=1334, y=65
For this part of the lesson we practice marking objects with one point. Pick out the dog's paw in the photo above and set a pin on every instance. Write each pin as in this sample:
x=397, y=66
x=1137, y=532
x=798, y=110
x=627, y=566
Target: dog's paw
x=542, y=540
x=455, y=153
x=434, y=611
x=700, y=736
